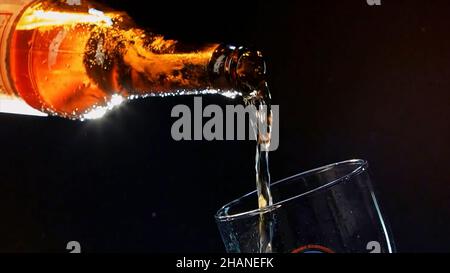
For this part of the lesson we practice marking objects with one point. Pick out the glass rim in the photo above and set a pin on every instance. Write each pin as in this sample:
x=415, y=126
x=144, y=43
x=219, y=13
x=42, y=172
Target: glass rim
x=362, y=166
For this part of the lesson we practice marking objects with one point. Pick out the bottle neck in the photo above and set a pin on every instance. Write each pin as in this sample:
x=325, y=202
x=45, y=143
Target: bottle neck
x=136, y=63
x=238, y=68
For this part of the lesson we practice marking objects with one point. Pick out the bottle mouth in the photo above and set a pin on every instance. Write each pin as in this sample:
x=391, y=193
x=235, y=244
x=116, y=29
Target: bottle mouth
x=244, y=68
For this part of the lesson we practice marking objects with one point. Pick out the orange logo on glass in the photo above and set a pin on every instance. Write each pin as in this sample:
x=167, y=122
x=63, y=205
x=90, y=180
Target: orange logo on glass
x=313, y=249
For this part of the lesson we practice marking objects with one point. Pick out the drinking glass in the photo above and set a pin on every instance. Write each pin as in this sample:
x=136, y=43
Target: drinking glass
x=331, y=209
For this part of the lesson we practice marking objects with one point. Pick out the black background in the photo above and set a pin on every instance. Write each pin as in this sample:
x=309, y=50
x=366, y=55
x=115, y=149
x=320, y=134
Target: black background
x=352, y=81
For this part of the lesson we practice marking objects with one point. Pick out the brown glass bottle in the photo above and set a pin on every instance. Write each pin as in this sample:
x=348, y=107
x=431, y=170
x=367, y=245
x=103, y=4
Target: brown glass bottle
x=68, y=58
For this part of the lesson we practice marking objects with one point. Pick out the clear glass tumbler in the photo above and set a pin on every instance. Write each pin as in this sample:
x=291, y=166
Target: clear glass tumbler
x=332, y=209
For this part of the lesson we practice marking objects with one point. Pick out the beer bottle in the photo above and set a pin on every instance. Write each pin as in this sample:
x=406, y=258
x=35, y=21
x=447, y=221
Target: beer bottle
x=77, y=59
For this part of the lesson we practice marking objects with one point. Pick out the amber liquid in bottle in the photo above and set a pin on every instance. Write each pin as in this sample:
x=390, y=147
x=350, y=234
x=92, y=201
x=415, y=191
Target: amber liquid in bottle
x=68, y=63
